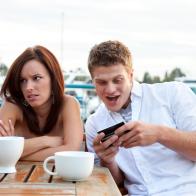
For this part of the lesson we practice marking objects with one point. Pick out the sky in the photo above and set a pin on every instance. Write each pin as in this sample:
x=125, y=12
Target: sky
x=161, y=34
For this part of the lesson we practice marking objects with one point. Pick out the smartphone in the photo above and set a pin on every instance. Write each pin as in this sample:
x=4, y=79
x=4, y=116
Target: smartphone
x=110, y=131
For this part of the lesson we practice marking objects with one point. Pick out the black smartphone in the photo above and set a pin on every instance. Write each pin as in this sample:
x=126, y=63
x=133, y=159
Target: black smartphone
x=110, y=131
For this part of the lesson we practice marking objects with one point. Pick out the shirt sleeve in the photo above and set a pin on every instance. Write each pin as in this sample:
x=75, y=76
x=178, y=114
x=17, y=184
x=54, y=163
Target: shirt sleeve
x=91, y=133
x=183, y=105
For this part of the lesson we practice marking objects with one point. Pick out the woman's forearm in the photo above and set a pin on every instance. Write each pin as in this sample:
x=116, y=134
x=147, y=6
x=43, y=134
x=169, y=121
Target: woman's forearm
x=33, y=145
x=46, y=152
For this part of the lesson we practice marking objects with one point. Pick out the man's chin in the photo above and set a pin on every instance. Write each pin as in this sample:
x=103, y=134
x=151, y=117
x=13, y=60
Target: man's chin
x=113, y=108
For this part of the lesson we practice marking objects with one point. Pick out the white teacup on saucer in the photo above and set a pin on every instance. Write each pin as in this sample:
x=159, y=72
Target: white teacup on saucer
x=71, y=165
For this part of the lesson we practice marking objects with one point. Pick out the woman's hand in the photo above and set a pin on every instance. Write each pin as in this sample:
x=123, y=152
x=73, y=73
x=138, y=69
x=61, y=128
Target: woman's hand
x=6, y=130
x=106, y=150
x=137, y=134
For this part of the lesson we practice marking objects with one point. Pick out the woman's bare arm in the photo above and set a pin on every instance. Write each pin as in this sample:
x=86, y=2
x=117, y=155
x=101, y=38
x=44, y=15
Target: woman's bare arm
x=73, y=135
x=36, y=144
x=72, y=123
x=44, y=153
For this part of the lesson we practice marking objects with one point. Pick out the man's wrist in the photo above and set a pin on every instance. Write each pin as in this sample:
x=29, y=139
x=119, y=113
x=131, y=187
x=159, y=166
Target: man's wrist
x=110, y=164
x=165, y=134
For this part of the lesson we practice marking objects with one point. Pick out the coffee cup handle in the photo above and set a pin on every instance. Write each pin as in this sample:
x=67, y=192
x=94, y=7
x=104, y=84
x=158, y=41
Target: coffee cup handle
x=45, y=166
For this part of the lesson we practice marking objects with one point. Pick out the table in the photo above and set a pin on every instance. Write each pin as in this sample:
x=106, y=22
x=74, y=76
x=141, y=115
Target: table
x=31, y=180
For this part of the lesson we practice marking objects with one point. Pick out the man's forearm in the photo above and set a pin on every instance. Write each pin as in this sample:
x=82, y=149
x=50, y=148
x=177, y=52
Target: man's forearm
x=180, y=141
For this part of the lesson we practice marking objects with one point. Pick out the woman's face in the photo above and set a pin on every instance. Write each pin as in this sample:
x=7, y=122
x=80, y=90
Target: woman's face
x=35, y=83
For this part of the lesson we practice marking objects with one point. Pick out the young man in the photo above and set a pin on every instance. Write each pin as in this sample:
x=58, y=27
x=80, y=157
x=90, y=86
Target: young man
x=154, y=152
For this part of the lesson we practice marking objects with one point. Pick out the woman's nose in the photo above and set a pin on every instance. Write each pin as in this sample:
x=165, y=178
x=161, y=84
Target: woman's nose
x=29, y=85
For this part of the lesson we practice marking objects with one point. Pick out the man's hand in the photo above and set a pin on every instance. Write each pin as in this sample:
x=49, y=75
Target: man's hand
x=137, y=134
x=106, y=150
x=6, y=130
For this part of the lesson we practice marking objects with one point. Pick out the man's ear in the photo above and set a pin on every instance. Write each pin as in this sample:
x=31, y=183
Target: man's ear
x=130, y=73
x=132, y=70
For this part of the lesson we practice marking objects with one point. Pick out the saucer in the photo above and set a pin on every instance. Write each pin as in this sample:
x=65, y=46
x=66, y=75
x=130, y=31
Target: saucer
x=74, y=180
x=8, y=170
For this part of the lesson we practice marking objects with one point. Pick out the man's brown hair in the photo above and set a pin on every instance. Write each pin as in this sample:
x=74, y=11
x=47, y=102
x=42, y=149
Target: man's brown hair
x=109, y=53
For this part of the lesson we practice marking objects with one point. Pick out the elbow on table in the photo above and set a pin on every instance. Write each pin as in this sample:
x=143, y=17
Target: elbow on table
x=72, y=146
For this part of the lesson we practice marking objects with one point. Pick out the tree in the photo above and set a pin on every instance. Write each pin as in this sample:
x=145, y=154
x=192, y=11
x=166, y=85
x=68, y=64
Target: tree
x=176, y=73
x=3, y=69
x=167, y=77
x=147, y=78
x=156, y=79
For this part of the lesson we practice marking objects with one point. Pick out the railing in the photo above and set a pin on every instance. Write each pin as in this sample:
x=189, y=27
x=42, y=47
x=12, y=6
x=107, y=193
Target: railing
x=87, y=97
x=85, y=94
x=81, y=86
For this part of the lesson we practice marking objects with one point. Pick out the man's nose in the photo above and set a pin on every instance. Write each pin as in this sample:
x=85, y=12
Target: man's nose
x=110, y=88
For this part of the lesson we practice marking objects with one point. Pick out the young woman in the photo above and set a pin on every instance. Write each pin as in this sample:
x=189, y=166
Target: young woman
x=36, y=107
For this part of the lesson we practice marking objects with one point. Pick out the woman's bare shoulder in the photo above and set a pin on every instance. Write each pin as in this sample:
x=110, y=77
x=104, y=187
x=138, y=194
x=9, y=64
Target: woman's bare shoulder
x=70, y=104
x=70, y=100
x=10, y=109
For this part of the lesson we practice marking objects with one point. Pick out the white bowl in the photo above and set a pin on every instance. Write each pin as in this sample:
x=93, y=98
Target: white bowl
x=11, y=150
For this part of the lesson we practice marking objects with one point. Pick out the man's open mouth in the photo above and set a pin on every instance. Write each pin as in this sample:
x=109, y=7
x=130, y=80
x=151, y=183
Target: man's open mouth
x=113, y=98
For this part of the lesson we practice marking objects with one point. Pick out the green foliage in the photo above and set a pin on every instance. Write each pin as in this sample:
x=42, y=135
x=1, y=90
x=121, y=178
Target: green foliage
x=174, y=74
x=3, y=69
x=147, y=78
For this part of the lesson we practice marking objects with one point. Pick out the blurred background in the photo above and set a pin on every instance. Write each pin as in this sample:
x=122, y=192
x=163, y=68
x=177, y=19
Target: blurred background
x=160, y=35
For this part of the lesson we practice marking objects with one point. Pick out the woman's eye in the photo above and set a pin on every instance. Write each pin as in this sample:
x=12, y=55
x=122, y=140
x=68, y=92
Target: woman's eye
x=22, y=81
x=36, y=77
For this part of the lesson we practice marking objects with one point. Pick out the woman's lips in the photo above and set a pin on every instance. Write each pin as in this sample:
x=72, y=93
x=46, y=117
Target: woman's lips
x=32, y=97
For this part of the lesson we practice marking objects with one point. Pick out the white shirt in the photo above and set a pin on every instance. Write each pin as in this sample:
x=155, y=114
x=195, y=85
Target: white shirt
x=154, y=169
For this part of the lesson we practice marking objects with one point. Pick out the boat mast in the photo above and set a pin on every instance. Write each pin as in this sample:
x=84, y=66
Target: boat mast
x=62, y=39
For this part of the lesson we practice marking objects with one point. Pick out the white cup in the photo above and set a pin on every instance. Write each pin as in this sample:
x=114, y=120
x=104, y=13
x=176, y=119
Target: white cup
x=71, y=165
x=11, y=148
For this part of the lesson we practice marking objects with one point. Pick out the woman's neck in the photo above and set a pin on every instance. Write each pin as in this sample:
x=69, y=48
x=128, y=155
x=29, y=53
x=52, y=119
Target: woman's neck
x=43, y=110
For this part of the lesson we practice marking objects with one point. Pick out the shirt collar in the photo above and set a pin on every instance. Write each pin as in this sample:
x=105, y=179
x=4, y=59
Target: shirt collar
x=136, y=89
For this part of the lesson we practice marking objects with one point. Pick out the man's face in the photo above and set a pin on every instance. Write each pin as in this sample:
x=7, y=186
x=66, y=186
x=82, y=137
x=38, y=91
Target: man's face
x=113, y=85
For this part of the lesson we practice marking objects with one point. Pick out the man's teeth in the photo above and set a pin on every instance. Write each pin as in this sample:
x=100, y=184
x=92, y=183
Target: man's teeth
x=113, y=98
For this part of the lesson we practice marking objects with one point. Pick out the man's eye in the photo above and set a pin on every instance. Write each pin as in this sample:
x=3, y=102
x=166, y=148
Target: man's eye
x=119, y=80
x=101, y=82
